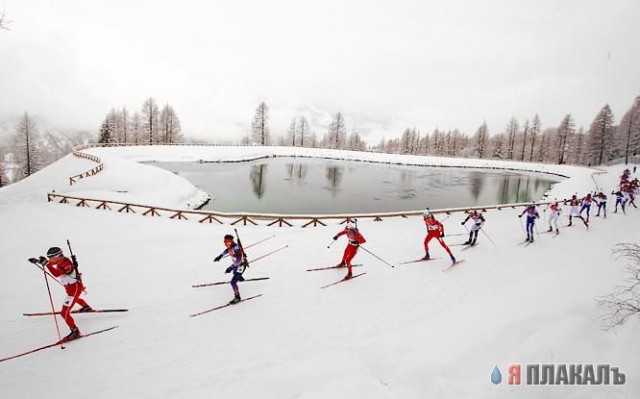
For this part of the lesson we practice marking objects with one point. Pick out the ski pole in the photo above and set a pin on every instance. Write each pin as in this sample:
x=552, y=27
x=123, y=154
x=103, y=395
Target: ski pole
x=377, y=257
x=263, y=240
x=53, y=310
x=485, y=233
x=272, y=252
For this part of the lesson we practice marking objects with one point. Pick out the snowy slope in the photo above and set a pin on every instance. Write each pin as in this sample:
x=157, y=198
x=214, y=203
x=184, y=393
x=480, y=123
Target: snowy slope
x=407, y=332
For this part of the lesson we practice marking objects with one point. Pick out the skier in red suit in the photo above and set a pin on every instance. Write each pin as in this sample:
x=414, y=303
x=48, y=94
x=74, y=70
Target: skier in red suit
x=435, y=229
x=355, y=239
x=62, y=267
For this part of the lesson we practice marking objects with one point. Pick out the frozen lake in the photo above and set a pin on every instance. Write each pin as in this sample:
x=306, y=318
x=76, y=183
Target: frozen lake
x=318, y=186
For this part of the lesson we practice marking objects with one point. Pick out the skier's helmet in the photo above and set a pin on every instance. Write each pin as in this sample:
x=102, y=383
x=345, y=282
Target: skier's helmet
x=54, y=251
x=350, y=225
x=427, y=214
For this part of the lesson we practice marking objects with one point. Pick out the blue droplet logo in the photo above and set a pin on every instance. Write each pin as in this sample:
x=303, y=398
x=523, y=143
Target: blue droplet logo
x=496, y=375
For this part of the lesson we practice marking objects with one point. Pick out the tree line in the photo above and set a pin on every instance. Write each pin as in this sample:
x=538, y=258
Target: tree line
x=29, y=150
x=603, y=141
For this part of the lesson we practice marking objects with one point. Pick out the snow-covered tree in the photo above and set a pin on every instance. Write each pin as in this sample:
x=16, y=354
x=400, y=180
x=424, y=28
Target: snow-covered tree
x=303, y=132
x=291, y=133
x=150, y=121
x=536, y=128
x=260, y=125
x=108, y=130
x=4, y=22
x=511, y=131
x=628, y=132
x=27, y=146
x=137, y=129
x=600, y=137
x=170, y=130
x=337, y=133
x=525, y=133
x=565, y=130
x=355, y=142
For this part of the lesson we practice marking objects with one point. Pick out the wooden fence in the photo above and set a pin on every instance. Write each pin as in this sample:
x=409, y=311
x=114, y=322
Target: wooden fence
x=234, y=218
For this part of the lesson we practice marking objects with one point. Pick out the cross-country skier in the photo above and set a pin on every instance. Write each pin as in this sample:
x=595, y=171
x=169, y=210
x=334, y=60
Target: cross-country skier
x=63, y=268
x=573, y=209
x=478, y=222
x=355, y=239
x=554, y=215
x=601, y=200
x=238, y=267
x=586, y=205
x=435, y=229
x=621, y=200
x=532, y=215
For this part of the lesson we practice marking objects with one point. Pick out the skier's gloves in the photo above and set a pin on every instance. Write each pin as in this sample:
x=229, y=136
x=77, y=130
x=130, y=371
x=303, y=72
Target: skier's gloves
x=217, y=259
x=519, y=216
x=462, y=223
x=441, y=235
x=335, y=237
x=229, y=269
x=33, y=260
x=42, y=260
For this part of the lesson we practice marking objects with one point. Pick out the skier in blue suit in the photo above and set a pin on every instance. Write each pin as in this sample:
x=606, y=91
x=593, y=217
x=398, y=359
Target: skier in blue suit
x=532, y=215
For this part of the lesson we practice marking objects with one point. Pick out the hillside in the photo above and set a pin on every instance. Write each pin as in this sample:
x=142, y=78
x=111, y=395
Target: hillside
x=406, y=332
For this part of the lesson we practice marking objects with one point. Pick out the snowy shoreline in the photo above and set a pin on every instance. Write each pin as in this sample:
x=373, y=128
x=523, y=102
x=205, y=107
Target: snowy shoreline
x=236, y=154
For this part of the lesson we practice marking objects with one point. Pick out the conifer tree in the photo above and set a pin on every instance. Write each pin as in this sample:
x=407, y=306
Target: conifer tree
x=27, y=146
x=260, y=125
x=601, y=144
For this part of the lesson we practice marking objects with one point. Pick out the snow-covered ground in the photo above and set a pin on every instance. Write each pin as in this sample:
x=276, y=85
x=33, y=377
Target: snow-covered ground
x=406, y=332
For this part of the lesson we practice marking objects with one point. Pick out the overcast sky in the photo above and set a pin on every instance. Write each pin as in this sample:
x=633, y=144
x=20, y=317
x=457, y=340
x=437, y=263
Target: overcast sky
x=385, y=65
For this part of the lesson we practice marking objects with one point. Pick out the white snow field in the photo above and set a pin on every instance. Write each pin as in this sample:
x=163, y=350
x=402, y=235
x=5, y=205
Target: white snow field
x=406, y=332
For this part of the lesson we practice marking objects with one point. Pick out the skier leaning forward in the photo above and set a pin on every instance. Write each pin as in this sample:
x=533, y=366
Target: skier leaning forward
x=239, y=263
x=63, y=268
x=435, y=229
x=355, y=239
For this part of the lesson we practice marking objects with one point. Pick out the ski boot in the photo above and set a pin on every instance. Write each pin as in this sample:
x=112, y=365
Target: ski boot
x=473, y=242
x=550, y=229
x=341, y=264
x=453, y=259
x=85, y=309
x=235, y=299
x=348, y=276
x=74, y=334
x=557, y=231
x=466, y=242
x=426, y=256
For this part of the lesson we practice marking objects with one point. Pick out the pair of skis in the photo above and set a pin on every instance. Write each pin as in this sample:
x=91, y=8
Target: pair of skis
x=58, y=343
x=223, y=306
x=457, y=262
x=338, y=267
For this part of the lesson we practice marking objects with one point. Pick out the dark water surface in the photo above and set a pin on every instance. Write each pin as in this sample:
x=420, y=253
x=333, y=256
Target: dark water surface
x=318, y=186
